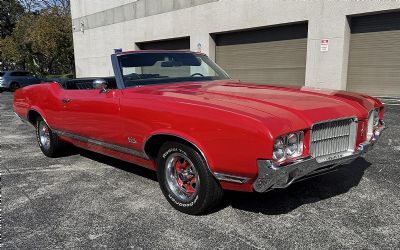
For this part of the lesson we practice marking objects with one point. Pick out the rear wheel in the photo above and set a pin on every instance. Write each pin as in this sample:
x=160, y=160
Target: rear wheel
x=48, y=141
x=14, y=86
x=185, y=180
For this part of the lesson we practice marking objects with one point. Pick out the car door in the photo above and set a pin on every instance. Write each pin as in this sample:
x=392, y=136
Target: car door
x=91, y=114
x=24, y=76
x=31, y=79
x=23, y=79
x=16, y=77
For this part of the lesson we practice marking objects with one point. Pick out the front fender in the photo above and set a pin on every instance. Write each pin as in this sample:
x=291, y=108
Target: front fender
x=193, y=141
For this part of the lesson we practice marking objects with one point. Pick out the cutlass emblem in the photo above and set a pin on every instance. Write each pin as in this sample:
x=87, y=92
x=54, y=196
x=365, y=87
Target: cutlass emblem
x=132, y=140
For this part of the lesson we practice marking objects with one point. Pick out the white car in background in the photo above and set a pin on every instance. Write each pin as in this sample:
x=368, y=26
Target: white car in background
x=13, y=80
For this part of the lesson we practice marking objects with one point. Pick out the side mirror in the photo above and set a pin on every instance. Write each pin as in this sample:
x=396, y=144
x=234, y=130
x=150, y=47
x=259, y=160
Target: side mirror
x=104, y=89
x=101, y=84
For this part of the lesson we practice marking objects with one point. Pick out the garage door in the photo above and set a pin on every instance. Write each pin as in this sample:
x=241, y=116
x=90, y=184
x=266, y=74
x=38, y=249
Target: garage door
x=274, y=55
x=171, y=44
x=374, y=58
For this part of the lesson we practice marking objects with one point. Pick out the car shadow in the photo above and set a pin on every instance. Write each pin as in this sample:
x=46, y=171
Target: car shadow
x=275, y=202
x=282, y=201
x=123, y=165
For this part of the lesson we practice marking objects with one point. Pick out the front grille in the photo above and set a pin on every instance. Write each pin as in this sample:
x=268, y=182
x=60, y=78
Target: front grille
x=333, y=137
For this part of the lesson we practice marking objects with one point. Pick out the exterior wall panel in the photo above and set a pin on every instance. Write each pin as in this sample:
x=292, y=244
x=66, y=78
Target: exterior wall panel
x=134, y=10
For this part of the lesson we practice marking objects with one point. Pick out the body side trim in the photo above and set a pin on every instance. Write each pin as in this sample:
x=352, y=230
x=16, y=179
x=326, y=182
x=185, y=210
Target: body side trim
x=23, y=119
x=103, y=144
x=231, y=178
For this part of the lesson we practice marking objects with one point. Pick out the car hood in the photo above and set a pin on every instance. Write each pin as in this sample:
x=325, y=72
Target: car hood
x=299, y=106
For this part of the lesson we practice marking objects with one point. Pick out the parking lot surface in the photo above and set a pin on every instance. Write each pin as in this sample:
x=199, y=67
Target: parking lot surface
x=89, y=201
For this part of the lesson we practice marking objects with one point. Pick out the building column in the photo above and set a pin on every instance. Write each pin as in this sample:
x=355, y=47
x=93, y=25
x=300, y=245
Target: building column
x=328, y=69
x=203, y=42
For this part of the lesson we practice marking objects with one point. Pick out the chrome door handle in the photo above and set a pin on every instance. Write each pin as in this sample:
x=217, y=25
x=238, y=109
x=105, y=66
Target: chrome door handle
x=66, y=100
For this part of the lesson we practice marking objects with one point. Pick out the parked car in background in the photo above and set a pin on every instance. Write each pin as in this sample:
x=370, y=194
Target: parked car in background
x=178, y=113
x=13, y=80
x=58, y=78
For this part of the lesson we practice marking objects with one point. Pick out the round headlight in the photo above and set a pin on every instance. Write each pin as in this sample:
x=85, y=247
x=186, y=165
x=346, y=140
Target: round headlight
x=376, y=117
x=292, y=146
x=279, y=150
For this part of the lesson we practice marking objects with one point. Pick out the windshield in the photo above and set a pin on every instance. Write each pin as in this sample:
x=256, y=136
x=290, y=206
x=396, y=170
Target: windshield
x=168, y=67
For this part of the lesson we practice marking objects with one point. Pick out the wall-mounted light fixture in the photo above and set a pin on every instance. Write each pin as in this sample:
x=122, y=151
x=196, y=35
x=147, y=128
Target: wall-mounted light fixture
x=82, y=27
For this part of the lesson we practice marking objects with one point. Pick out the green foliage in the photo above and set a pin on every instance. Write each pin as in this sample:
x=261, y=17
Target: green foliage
x=64, y=76
x=40, y=42
x=10, y=11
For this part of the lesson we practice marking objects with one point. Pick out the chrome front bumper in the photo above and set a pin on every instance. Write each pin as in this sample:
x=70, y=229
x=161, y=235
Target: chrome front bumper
x=272, y=177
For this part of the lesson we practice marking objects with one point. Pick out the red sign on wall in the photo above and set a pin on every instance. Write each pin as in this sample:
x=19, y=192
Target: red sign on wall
x=324, y=45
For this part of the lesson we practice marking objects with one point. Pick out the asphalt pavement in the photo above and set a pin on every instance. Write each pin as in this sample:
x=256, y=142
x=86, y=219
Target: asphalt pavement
x=88, y=201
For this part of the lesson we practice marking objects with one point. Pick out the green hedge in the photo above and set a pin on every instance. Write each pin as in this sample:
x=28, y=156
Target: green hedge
x=69, y=76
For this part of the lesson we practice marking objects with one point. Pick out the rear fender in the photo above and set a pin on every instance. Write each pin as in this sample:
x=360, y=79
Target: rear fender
x=39, y=111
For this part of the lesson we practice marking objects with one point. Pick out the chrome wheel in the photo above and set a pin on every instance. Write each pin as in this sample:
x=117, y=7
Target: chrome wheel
x=181, y=176
x=44, y=135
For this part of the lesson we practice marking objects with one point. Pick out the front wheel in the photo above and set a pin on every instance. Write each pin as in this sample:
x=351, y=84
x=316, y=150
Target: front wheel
x=185, y=179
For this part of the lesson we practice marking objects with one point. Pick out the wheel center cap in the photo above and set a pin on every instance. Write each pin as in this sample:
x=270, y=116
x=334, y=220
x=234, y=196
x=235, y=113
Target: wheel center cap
x=185, y=177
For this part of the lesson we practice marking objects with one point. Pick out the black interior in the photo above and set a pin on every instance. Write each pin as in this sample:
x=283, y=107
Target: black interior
x=164, y=80
x=87, y=83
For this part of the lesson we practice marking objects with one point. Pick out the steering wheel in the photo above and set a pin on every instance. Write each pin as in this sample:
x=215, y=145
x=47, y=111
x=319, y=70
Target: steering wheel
x=197, y=74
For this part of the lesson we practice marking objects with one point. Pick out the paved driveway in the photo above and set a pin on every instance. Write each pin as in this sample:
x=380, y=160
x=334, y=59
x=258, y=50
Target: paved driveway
x=90, y=201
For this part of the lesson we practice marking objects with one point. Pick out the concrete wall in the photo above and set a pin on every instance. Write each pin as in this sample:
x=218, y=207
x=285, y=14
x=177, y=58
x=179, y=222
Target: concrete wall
x=118, y=23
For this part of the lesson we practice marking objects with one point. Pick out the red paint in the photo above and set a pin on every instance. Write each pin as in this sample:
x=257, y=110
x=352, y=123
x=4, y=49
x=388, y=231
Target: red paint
x=232, y=123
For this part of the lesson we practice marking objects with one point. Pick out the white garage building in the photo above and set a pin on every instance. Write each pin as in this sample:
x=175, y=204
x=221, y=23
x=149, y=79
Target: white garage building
x=353, y=45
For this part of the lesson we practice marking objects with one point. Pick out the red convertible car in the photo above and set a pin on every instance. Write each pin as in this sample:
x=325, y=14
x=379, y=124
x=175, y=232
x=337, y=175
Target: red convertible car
x=181, y=115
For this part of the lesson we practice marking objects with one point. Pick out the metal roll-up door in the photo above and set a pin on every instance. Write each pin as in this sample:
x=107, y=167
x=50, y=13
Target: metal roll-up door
x=274, y=55
x=170, y=44
x=374, y=58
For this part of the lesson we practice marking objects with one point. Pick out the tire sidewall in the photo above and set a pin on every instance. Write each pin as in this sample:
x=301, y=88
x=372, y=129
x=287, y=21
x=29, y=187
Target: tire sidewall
x=48, y=152
x=195, y=203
